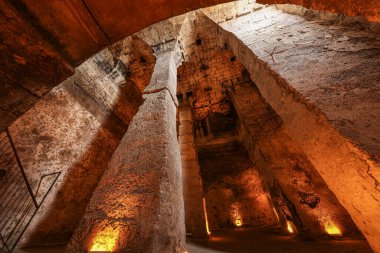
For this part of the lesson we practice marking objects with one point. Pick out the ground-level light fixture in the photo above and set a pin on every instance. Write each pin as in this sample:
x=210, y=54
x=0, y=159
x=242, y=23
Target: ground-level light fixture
x=289, y=227
x=332, y=229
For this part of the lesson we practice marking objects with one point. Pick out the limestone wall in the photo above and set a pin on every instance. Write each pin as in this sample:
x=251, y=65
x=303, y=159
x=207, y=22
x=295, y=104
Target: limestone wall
x=65, y=132
x=75, y=130
x=298, y=191
x=321, y=83
x=195, y=205
x=236, y=194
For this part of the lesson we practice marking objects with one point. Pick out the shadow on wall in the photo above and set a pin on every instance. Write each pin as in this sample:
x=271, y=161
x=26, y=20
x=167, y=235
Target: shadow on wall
x=234, y=189
x=75, y=130
x=68, y=131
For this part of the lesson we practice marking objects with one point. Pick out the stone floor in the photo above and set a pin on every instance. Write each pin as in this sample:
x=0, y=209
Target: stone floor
x=267, y=241
x=257, y=241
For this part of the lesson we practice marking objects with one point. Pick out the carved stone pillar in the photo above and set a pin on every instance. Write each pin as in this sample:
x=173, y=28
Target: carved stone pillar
x=138, y=204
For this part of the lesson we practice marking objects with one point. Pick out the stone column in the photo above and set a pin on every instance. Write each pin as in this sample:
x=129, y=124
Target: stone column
x=138, y=204
x=195, y=209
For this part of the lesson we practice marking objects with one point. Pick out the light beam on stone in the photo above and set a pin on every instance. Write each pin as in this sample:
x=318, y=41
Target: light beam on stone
x=205, y=213
x=105, y=240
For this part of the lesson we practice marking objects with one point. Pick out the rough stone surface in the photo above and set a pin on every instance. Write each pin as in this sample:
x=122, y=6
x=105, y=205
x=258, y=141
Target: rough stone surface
x=359, y=22
x=209, y=74
x=164, y=75
x=235, y=191
x=44, y=40
x=67, y=25
x=137, y=57
x=298, y=191
x=138, y=204
x=26, y=58
x=108, y=83
x=330, y=121
x=27, y=61
x=208, y=85
x=195, y=215
x=351, y=84
x=333, y=116
x=370, y=9
x=64, y=132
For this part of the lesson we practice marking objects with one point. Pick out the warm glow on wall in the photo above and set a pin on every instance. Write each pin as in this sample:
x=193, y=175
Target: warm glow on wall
x=332, y=229
x=105, y=240
x=206, y=219
x=236, y=215
x=238, y=222
x=289, y=227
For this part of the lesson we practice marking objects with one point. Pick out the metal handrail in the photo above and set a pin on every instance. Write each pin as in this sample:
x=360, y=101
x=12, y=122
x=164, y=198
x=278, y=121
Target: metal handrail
x=40, y=181
x=21, y=168
x=19, y=203
x=35, y=212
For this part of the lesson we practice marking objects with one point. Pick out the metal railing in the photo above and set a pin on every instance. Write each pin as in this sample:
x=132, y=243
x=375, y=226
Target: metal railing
x=18, y=203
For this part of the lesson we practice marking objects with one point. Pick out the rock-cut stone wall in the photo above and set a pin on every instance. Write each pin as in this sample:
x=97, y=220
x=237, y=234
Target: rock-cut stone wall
x=321, y=79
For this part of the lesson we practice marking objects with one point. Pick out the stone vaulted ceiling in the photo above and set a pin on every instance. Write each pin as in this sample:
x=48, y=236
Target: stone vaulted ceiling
x=43, y=41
